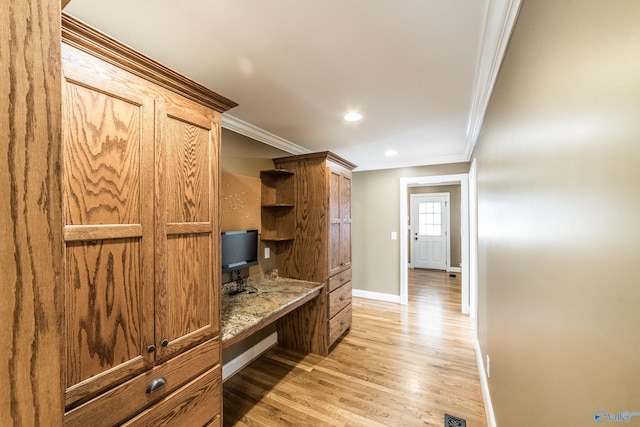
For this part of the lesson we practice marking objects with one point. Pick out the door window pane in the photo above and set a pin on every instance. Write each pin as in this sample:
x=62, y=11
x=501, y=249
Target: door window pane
x=430, y=219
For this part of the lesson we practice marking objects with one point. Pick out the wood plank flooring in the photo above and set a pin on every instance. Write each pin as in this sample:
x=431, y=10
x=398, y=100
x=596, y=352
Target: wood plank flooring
x=398, y=366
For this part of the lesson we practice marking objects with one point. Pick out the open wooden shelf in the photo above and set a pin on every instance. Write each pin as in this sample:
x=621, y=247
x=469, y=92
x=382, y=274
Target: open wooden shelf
x=278, y=207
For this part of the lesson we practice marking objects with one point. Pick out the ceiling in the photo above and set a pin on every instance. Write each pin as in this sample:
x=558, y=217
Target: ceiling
x=419, y=71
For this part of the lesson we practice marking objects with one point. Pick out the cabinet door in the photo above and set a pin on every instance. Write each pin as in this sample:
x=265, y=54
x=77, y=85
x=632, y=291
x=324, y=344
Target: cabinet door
x=107, y=196
x=335, y=222
x=187, y=240
x=345, y=216
x=340, y=220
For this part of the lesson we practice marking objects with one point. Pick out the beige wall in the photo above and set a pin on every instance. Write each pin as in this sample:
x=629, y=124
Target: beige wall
x=454, y=214
x=245, y=157
x=376, y=213
x=559, y=235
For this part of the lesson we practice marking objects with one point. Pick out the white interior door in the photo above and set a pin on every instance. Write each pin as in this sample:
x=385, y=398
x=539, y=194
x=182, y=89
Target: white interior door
x=430, y=230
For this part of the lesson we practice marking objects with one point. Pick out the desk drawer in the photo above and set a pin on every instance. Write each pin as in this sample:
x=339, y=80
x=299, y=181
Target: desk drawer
x=339, y=324
x=129, y=398
x=196, y=404
x=339, y=299
x=339, y=279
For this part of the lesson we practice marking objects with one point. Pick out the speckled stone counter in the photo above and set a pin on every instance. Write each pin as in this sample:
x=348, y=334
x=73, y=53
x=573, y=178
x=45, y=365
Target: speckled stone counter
x=274, y=297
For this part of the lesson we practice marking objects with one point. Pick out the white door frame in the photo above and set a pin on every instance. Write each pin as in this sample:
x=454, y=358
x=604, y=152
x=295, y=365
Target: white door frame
x=473, y=241
x=461, y=178
x=447, y=230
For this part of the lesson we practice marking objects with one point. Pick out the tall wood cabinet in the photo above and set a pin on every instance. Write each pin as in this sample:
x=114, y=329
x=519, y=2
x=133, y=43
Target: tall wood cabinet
x=320, y=250
x=141, y=229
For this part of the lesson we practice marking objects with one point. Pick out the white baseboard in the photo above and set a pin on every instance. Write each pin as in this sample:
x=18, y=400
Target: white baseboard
x=239, y=362
x=488, y=406
x=455, y=269
x=375, y=295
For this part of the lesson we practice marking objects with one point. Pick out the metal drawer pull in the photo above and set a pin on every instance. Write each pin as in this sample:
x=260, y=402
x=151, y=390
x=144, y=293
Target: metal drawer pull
x=156, y=384
x=164, y=343
x=151, y=349
x=342, y=264
x=342, y=297
x=342, y=322
x=342, y=278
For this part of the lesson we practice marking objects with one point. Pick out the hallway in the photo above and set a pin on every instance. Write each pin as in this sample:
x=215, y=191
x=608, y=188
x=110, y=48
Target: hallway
x=398, y=366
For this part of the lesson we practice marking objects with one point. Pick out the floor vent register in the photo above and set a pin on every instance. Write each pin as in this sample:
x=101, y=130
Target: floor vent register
x=451, y=421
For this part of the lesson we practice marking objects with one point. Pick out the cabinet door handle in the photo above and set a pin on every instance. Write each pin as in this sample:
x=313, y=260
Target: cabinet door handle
x=151, y=349
x=342, y=264
x=164, y=343
x=156, y=384
x=342, y=297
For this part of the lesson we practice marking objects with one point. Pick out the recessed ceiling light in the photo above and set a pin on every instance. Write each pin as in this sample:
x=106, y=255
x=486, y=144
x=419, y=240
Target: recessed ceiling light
x=352, y=117
x=390, y=153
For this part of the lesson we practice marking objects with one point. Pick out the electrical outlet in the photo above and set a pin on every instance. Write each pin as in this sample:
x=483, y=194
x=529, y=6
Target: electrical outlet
x=488, y=367
x=267, y=253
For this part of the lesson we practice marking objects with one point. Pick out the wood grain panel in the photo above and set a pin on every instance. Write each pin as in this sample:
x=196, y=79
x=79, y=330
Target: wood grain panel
x=103, y=315
x=75, y=233
x=306, y=328
x=339, y=324
x=339, y=299
x=216, y=422
x=335, y=221
x=278, y=223
x=127, y=399
x=188, y=300
x=196, y=404
x=141, y=164
x=339, y=279
x=31, y=260
x=103, y=143
x=189, y=228
x=319, y=250
x=187, y=225
x=345, y=216
x=277, y=188
x=187, y=183
x=108, y=170
x=306, y=257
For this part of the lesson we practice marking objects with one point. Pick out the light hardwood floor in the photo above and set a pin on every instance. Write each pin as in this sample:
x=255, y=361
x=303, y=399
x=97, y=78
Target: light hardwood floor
x=398, y=366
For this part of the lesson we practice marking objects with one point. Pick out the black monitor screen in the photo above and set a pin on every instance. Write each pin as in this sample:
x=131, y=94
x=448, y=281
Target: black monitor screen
x=239, y=249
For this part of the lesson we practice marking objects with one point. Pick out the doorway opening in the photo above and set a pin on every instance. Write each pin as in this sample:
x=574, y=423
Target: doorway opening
x=405, y=183
x=430, y=230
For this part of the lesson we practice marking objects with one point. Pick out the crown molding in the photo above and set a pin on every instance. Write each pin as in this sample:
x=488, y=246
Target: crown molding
x=82, y=36
x=243, y=128
x=499, y=23
x=439, y=160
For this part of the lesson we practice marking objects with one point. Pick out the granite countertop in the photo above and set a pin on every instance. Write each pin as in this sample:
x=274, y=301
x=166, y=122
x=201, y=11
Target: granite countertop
x=246, y=312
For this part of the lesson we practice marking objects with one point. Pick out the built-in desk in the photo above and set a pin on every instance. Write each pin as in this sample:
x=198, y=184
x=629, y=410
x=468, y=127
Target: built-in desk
x=245, y=313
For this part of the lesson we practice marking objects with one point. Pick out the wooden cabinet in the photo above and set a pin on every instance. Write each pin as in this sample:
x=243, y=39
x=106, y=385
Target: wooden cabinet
x=339, y=219
x=277, y=205
x=321, y=250
x=141, y=230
